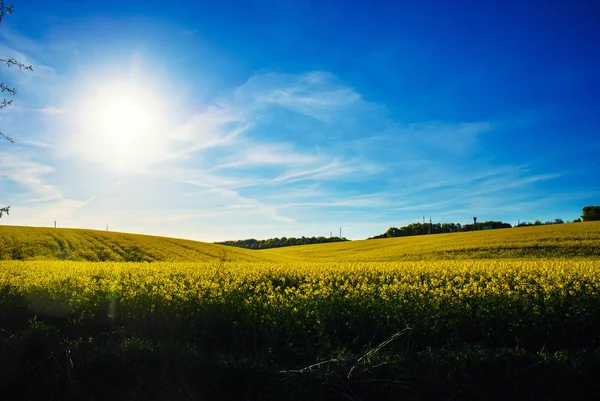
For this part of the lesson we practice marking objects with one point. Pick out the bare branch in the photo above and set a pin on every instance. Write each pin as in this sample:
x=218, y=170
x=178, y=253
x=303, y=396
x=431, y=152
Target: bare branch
x=14, y=62
x=10, y=62
x=374, y=350
x=5, y=103
x=311, y=367
x=5, y=88
x=4, y=10
x=8, y=138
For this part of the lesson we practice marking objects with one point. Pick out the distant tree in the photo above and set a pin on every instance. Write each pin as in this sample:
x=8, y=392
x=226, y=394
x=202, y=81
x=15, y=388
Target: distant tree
x=280, y=242
x=591, y=213
x=537, y=223
x=438, y=228
x=4, y=210
x=577, y=220
x=558, y=221
x=449, y=227
x=393, y=232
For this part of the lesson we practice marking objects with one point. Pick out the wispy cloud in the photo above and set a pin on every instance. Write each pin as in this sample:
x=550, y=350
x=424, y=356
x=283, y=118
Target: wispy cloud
x=293, y=154
x=316, y=94
x=380, y=200
x=216, y=126
x=50, y=110
x=29, y=175
x=264, y=154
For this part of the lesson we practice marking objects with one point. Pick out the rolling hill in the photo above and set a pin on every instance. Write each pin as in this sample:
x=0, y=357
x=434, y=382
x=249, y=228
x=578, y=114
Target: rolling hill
x=228, y=322
x=43, y=243
x=559, y=240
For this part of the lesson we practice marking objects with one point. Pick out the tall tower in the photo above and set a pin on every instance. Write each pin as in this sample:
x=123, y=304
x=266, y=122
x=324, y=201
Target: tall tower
x=474, y=223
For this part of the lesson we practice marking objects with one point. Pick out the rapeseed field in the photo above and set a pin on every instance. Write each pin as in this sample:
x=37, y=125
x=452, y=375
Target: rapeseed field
x=499, y=314
x=547, y=241
x=45, y=243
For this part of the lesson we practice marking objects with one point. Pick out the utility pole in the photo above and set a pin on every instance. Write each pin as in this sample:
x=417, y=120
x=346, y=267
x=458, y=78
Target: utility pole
x=340, y=232
x=54, y=223
x=429, y=224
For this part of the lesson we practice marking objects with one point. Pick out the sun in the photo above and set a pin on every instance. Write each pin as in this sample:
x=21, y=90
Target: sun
x=121, y=126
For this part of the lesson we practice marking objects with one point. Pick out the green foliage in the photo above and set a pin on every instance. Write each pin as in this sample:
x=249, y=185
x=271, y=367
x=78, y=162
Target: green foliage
x=280, y=242
x=438, y=228
x=591, y=213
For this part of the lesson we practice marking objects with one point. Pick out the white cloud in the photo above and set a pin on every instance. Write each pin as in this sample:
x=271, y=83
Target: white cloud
x=51, y=110
x=36, y=143
x=215, y=126
x=265, y=154
x=316, y=94
x=29, y=176
x=275, y=155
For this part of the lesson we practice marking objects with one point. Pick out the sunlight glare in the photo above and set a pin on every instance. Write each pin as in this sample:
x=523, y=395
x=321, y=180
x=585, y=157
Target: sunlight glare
x=122, y=126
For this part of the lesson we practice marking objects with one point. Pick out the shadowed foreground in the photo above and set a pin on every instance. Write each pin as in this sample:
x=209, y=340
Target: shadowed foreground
x=430, y=330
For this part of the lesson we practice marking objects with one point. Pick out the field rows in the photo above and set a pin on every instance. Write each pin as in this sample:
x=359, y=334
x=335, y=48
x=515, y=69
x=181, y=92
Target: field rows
x=554, y=241
x=306, y=322
x=41, y=243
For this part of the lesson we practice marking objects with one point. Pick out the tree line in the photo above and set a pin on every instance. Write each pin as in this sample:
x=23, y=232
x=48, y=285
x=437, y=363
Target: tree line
x=280, y=242
x=439, y=228
x=589, y=213
x=539, y=223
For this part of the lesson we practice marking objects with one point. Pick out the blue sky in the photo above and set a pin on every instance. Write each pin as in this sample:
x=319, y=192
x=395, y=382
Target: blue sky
x=238, y=119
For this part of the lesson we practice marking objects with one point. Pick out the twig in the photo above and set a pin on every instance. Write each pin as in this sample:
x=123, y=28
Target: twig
x=309, y=368
x=8, y=138
x=157, y=387
x=187, y=389
x=13, y=62
x=348, y=396
x=374, y=350
x=6, y=331
x=69, y=365
x=137, y=390
x=36, y=365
